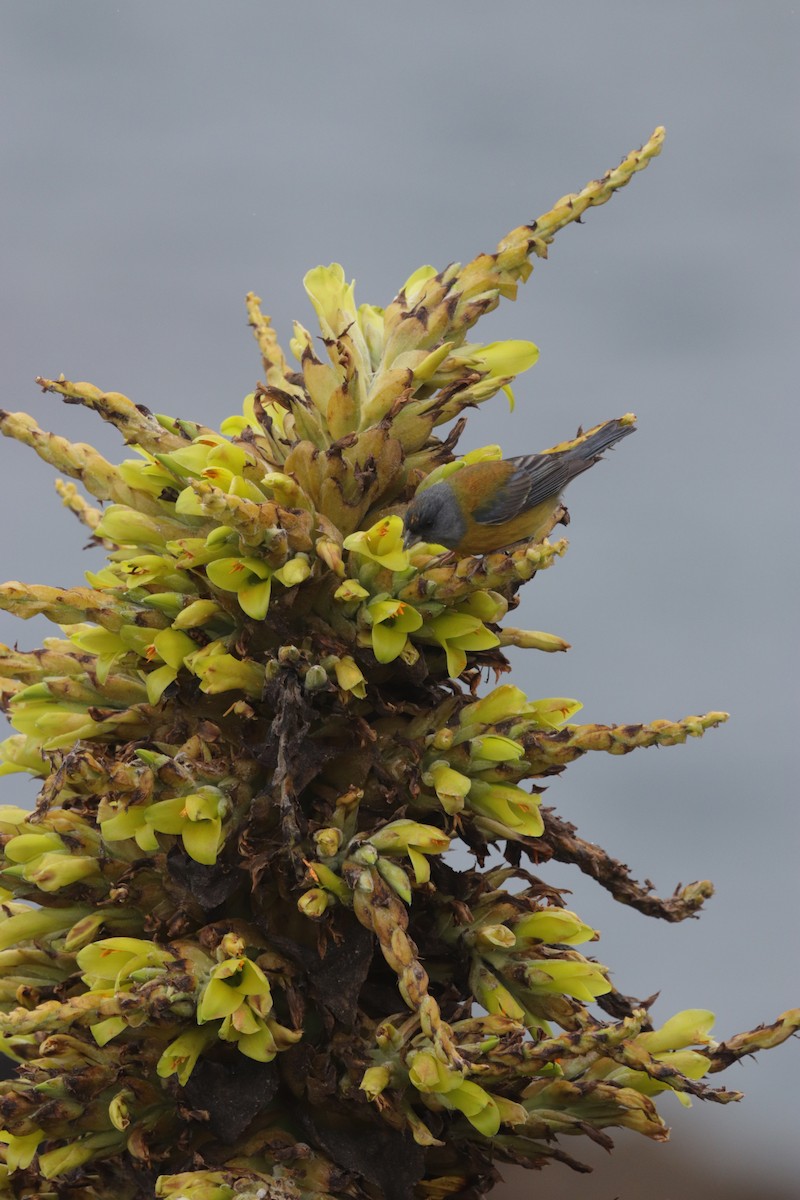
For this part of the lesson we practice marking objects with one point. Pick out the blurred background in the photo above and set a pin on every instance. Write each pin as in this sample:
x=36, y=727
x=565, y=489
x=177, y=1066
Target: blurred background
x=157, y=161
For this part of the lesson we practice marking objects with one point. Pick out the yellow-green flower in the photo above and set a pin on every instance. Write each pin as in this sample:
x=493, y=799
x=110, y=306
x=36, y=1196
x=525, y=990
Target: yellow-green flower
x=415, y=840
x=490, y=992
x=494, y=748
x=221, y=672
x=506, y=810
x=196, y=614
x=567, y=977
x=233, y=984
x=457, y=633
x=349, y=591
x=688, y=1028
x=375, y=1080
x=498, y=705
x=668, y=1045
x=21, y=1148
x=350, y=677
x=180, y=1056
x=172, y=647
x=554, y=926
x=249, y=578
x=382, y=542
x=315, y=903
x=196, y=819
x=430, y=1076
x=41, y=857
x=112, y=961
x=239, y=994
x=451, y=786
x=552, y=712
x=118, y=823
x=127, y=527
x=392, y=621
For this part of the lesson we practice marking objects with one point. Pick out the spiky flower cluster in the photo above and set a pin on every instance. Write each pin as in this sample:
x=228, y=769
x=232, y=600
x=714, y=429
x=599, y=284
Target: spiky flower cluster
x=235, y=957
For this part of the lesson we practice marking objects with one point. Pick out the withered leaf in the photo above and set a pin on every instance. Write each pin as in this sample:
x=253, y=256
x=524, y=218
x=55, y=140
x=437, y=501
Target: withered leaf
x=232, y=1092
x=210, y=886
x=337, y=977
x=385, y=1157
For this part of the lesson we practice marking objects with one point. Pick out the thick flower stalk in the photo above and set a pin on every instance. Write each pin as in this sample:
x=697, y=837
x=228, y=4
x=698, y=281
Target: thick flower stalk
x=238, y=956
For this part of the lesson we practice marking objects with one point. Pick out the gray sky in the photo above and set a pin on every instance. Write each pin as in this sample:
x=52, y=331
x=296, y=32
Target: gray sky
x=159, y=160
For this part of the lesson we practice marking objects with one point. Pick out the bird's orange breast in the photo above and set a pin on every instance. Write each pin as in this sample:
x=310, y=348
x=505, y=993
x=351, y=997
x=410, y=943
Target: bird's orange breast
x=536, y=523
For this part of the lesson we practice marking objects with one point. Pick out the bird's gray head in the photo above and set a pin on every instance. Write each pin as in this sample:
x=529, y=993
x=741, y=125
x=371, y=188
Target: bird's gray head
x=434, y=516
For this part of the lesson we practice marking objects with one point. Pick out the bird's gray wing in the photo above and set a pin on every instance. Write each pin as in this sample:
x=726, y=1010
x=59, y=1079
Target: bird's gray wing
x=537, y=477
x=540, y=477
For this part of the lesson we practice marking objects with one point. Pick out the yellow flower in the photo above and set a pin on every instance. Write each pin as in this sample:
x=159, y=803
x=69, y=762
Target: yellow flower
x=196, y=818
x=249, y=578
x=382, y=542
x=180, y=1056
x=555, y=926
x=349, y=676
x=457, y=633
x=391, y=620
x=415, y=840
x=504, y=809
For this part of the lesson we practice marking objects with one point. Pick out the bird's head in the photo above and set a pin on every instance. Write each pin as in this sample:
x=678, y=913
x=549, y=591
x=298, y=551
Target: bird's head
x=434, y=516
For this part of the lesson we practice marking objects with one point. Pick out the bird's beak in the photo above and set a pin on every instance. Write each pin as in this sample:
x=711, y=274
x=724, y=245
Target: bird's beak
x=410, y=539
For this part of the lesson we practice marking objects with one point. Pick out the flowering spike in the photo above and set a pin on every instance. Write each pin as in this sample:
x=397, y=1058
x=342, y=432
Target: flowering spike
x=256, y=735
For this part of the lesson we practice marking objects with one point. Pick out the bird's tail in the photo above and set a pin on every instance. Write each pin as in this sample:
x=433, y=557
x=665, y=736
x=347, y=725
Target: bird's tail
x=587, y=447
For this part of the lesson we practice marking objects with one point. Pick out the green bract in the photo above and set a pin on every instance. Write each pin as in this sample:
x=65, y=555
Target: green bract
x=236, y=950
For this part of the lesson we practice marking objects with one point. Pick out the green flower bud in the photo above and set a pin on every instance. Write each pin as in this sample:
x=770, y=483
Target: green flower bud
x=504, y=702
x=315, y=678
x=396, y=877
x=330, y=881
x=295, y=571
x=349, y=591
x=197, y=614
x=127, y=527
x=53, y=871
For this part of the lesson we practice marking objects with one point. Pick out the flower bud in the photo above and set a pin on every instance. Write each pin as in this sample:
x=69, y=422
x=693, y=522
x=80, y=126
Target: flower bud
x=315, y=902
x=375, y=1080
x=197, y=614
x=396, y=877
x=328, y=841
x=315, y=678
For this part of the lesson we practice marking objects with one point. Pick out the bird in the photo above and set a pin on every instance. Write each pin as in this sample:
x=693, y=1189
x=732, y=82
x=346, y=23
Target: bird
x=490, y=505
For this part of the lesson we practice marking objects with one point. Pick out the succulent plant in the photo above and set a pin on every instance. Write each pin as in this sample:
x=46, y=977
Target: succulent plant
x=238, y=956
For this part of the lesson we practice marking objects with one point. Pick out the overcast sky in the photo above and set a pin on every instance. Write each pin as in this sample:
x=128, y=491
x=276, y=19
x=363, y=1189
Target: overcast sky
x=159, y=160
